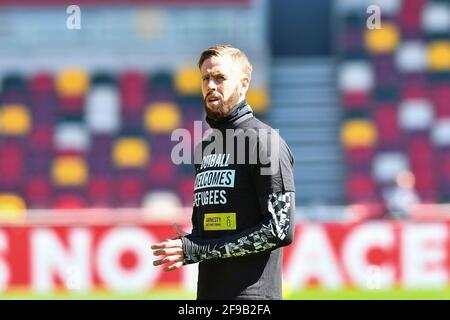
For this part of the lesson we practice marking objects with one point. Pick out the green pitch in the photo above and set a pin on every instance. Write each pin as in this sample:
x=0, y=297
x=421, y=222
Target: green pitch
x=295, y=295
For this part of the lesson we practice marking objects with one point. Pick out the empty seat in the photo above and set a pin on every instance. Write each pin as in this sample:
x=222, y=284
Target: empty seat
x=162, y=117
x=69, y=201
x=72, y=83
x=12, y=164
x=441, y=133
x=71, y=136
x=386, y=120
x=41, y=84
x=188, y=80
x=130, y=191
x=12, y=207
x=383, y=40
x=355, y=76
x=439, y=56
x=388, y=165
x=100, y=190
x=69, y=171
x=258, y=99
x=411, y=56
x=360, y=187
x=15, y=119
x=38, y=191
x=358, y=133
x=130, y=152
x=436, y=17
x=416, y=114
x=102, y=112
x=133, y=90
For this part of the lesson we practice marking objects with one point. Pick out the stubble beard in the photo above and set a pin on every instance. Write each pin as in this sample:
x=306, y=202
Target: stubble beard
x=223, y=107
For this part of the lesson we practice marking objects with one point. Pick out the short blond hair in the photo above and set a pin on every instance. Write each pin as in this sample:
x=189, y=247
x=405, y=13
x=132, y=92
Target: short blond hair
x=221, y=50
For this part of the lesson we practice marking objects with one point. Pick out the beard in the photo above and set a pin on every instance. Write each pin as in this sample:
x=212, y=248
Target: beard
x=223, y=108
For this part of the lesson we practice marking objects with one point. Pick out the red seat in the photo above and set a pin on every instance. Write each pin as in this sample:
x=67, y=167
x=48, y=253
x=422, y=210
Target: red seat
x=386, y=119
x=38, y=192
x=359, y=157
x=360, y=187
x=130, y=191
x=69, y=201
x=42, y=84
x=100, y=190
x=133, y=90
x=185, y=186
x=72, y=105
x=41, y=138
x=161, y=172
x=411, y=17
x=356, y=100
x=11, y=164
x=441, y=98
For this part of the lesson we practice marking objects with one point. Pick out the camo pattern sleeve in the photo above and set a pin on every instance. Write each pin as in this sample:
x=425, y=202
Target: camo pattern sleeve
x=274, y=232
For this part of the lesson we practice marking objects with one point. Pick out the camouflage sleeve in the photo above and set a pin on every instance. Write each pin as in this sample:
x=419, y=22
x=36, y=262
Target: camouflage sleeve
x=274, y=232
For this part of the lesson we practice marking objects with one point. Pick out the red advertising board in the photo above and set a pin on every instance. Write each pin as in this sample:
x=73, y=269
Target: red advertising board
x=118, y=258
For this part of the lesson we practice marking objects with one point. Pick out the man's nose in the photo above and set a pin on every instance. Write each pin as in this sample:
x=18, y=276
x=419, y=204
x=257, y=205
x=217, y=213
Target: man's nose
x=212, y=85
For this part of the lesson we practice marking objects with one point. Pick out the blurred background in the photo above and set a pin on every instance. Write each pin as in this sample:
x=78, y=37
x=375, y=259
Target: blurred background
x=90, y=93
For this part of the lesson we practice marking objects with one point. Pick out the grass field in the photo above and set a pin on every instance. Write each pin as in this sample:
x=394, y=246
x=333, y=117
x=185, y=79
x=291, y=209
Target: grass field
x=297, y=295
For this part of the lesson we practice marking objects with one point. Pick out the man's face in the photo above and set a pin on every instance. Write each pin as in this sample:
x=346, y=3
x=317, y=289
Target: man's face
x=223, y=85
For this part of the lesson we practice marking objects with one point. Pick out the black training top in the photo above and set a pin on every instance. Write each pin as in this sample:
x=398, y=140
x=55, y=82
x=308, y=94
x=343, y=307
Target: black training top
x=243, y=209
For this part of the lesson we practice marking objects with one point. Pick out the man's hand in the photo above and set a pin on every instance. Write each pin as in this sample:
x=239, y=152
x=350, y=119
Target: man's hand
x=172, y=249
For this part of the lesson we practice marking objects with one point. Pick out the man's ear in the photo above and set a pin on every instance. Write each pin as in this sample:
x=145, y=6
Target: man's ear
x=245, y=82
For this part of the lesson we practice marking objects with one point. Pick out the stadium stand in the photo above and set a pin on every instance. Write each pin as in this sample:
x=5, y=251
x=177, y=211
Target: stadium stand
x=394, y=87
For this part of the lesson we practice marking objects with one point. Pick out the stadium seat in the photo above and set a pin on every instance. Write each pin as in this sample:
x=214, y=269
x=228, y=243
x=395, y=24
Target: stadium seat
x=162, y=117
x=72, y=83
x=12, y=207
x=360, y=187
x=383, y=40
x=441, y=96
x=441, y=133
x=69, y=201
x=69, y=171
x=388, y=165
x=12, y=164
x=100, y=191
x=38, y=192
x=133, y=91
x=130, y=191
x=258, y=99
x=188, y=80
x=71, y=136
x=436, y=17
x=386, y=120
x=41, y=138
x=41, y=84
x=14, y=120
x=130, y=152
x=411, y=56
x=71, y=105
x=358, y=133
x=356, y=100
x=185, y=188
x=416, y=114
x=162, y=172
x=102, y=112
x=359, y=158
x=162, y=204
x=439, y=56
x=355, y=76
x=410, y=17
x=162, y=81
